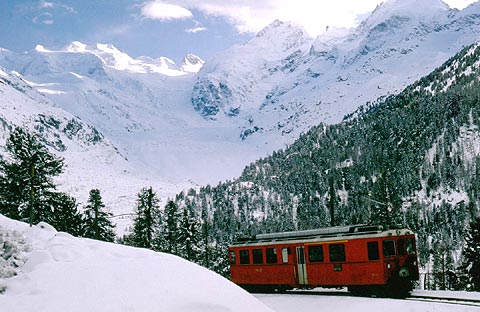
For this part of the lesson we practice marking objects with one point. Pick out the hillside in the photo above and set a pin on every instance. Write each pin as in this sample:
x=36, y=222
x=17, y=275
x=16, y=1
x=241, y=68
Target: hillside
x=411, y=159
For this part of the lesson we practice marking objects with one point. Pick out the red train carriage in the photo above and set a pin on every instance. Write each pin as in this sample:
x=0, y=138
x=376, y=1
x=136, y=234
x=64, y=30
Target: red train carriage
x=366, y=259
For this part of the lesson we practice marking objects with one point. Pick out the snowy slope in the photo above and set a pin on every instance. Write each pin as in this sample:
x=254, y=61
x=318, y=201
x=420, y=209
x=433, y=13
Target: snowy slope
x=61, y=273
x=91, y=159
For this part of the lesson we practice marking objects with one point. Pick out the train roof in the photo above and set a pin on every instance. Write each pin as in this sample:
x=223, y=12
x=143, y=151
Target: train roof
x=324, y=234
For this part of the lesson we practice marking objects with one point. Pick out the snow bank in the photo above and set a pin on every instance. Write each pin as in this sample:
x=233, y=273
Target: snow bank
x=63, y=273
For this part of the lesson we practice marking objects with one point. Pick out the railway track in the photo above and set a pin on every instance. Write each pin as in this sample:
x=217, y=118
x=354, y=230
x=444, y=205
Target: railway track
x=423, y=298
x=446, y=300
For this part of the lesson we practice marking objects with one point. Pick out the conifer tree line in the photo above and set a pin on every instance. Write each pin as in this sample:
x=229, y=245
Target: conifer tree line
x=27, y=191
x=180, y=231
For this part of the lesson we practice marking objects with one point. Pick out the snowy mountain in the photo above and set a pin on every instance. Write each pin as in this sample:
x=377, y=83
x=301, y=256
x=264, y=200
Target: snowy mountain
x=176, y=126
x=46, y=270
x=285, y=86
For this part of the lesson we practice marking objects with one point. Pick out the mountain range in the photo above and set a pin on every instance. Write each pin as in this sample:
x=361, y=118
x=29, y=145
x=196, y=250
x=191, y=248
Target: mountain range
x=124, y=123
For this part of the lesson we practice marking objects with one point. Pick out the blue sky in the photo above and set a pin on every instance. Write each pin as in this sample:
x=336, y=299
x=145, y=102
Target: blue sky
x=168, y=28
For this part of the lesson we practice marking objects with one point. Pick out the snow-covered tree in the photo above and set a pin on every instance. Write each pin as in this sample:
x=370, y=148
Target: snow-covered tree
x=97, y=224
x=146, y=224
x=26, y=186
x=471, y=255
x=66, y=217
x=171, y=228
x=189, y=237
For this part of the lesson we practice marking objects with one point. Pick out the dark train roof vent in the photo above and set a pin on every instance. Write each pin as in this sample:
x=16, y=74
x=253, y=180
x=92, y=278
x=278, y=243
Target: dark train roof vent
x=366, y=228
x=330, y=231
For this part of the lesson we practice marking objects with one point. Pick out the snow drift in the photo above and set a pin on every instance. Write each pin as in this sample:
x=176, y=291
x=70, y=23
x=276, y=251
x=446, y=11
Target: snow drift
x=62, y=273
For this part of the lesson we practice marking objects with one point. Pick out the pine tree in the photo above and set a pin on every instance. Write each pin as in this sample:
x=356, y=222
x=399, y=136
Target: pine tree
x=26, y=184
x=471, y=255
x=147, y=220
x=66, y=217
x=189, y=237
x=171, y=228
x=97, y=224
x=206, y=227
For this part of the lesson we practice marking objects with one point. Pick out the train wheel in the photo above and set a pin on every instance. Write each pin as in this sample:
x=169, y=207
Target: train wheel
x=398, y=288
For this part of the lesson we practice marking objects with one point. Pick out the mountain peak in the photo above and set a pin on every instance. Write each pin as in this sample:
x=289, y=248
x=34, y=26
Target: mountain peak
x=279, y=27
x=398, y=12
x=410, y=8
x=76, y=46
x=192, y=63
x=285, y=35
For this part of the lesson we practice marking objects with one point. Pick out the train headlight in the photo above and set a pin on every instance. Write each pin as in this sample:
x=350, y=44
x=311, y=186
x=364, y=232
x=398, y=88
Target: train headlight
x=403, y=272
x=415, y=263
x=388, y=266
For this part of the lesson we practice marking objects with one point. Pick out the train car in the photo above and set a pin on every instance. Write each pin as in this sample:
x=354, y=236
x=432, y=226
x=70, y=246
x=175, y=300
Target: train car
x=367, y=259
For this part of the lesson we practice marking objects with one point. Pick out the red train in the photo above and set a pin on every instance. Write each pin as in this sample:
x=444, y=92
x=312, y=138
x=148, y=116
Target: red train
x=367, y=259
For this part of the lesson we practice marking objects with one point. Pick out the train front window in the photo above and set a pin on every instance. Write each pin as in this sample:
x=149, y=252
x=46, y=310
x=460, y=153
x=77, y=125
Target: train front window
x=315, y=253
x=373, y=253
x=389, y=248
x=285, y=254
x=244, y=257
x=410, y=246
x=233, y=258
x=257, y=256
x=337, y=252
x=271, y=255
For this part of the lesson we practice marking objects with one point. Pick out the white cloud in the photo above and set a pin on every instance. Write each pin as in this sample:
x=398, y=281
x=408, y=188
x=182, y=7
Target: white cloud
x=44, y=18
x=56, y=5
x=46, y=5
x=164, y=11
x=459, y=4
x=314, y=15
x=253, y=15
x=195, y=29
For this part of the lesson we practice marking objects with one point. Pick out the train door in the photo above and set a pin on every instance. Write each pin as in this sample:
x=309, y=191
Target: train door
x=301, y=266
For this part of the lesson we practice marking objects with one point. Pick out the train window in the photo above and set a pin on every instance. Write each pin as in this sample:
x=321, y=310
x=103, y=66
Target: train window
x=257, y=256
x=315, y=253
x=244, y=257
x=373, y=253
x=337, y=252
x=285, y=252
x=402, y=251
x=389, y=248
x=271, y=255
x=233, y=258
x=410, y=246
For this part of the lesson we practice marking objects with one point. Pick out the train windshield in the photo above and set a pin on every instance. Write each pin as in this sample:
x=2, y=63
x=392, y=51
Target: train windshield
x=233, y=258
x=410, y=246
x=389, y=248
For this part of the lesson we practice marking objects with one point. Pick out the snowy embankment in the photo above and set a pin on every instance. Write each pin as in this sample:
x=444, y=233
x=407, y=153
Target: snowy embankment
x=58, y=272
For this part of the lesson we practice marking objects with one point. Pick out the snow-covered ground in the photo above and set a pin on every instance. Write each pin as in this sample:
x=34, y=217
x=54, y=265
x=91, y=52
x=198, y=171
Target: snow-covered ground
x=344, y=303
x=61, y=273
